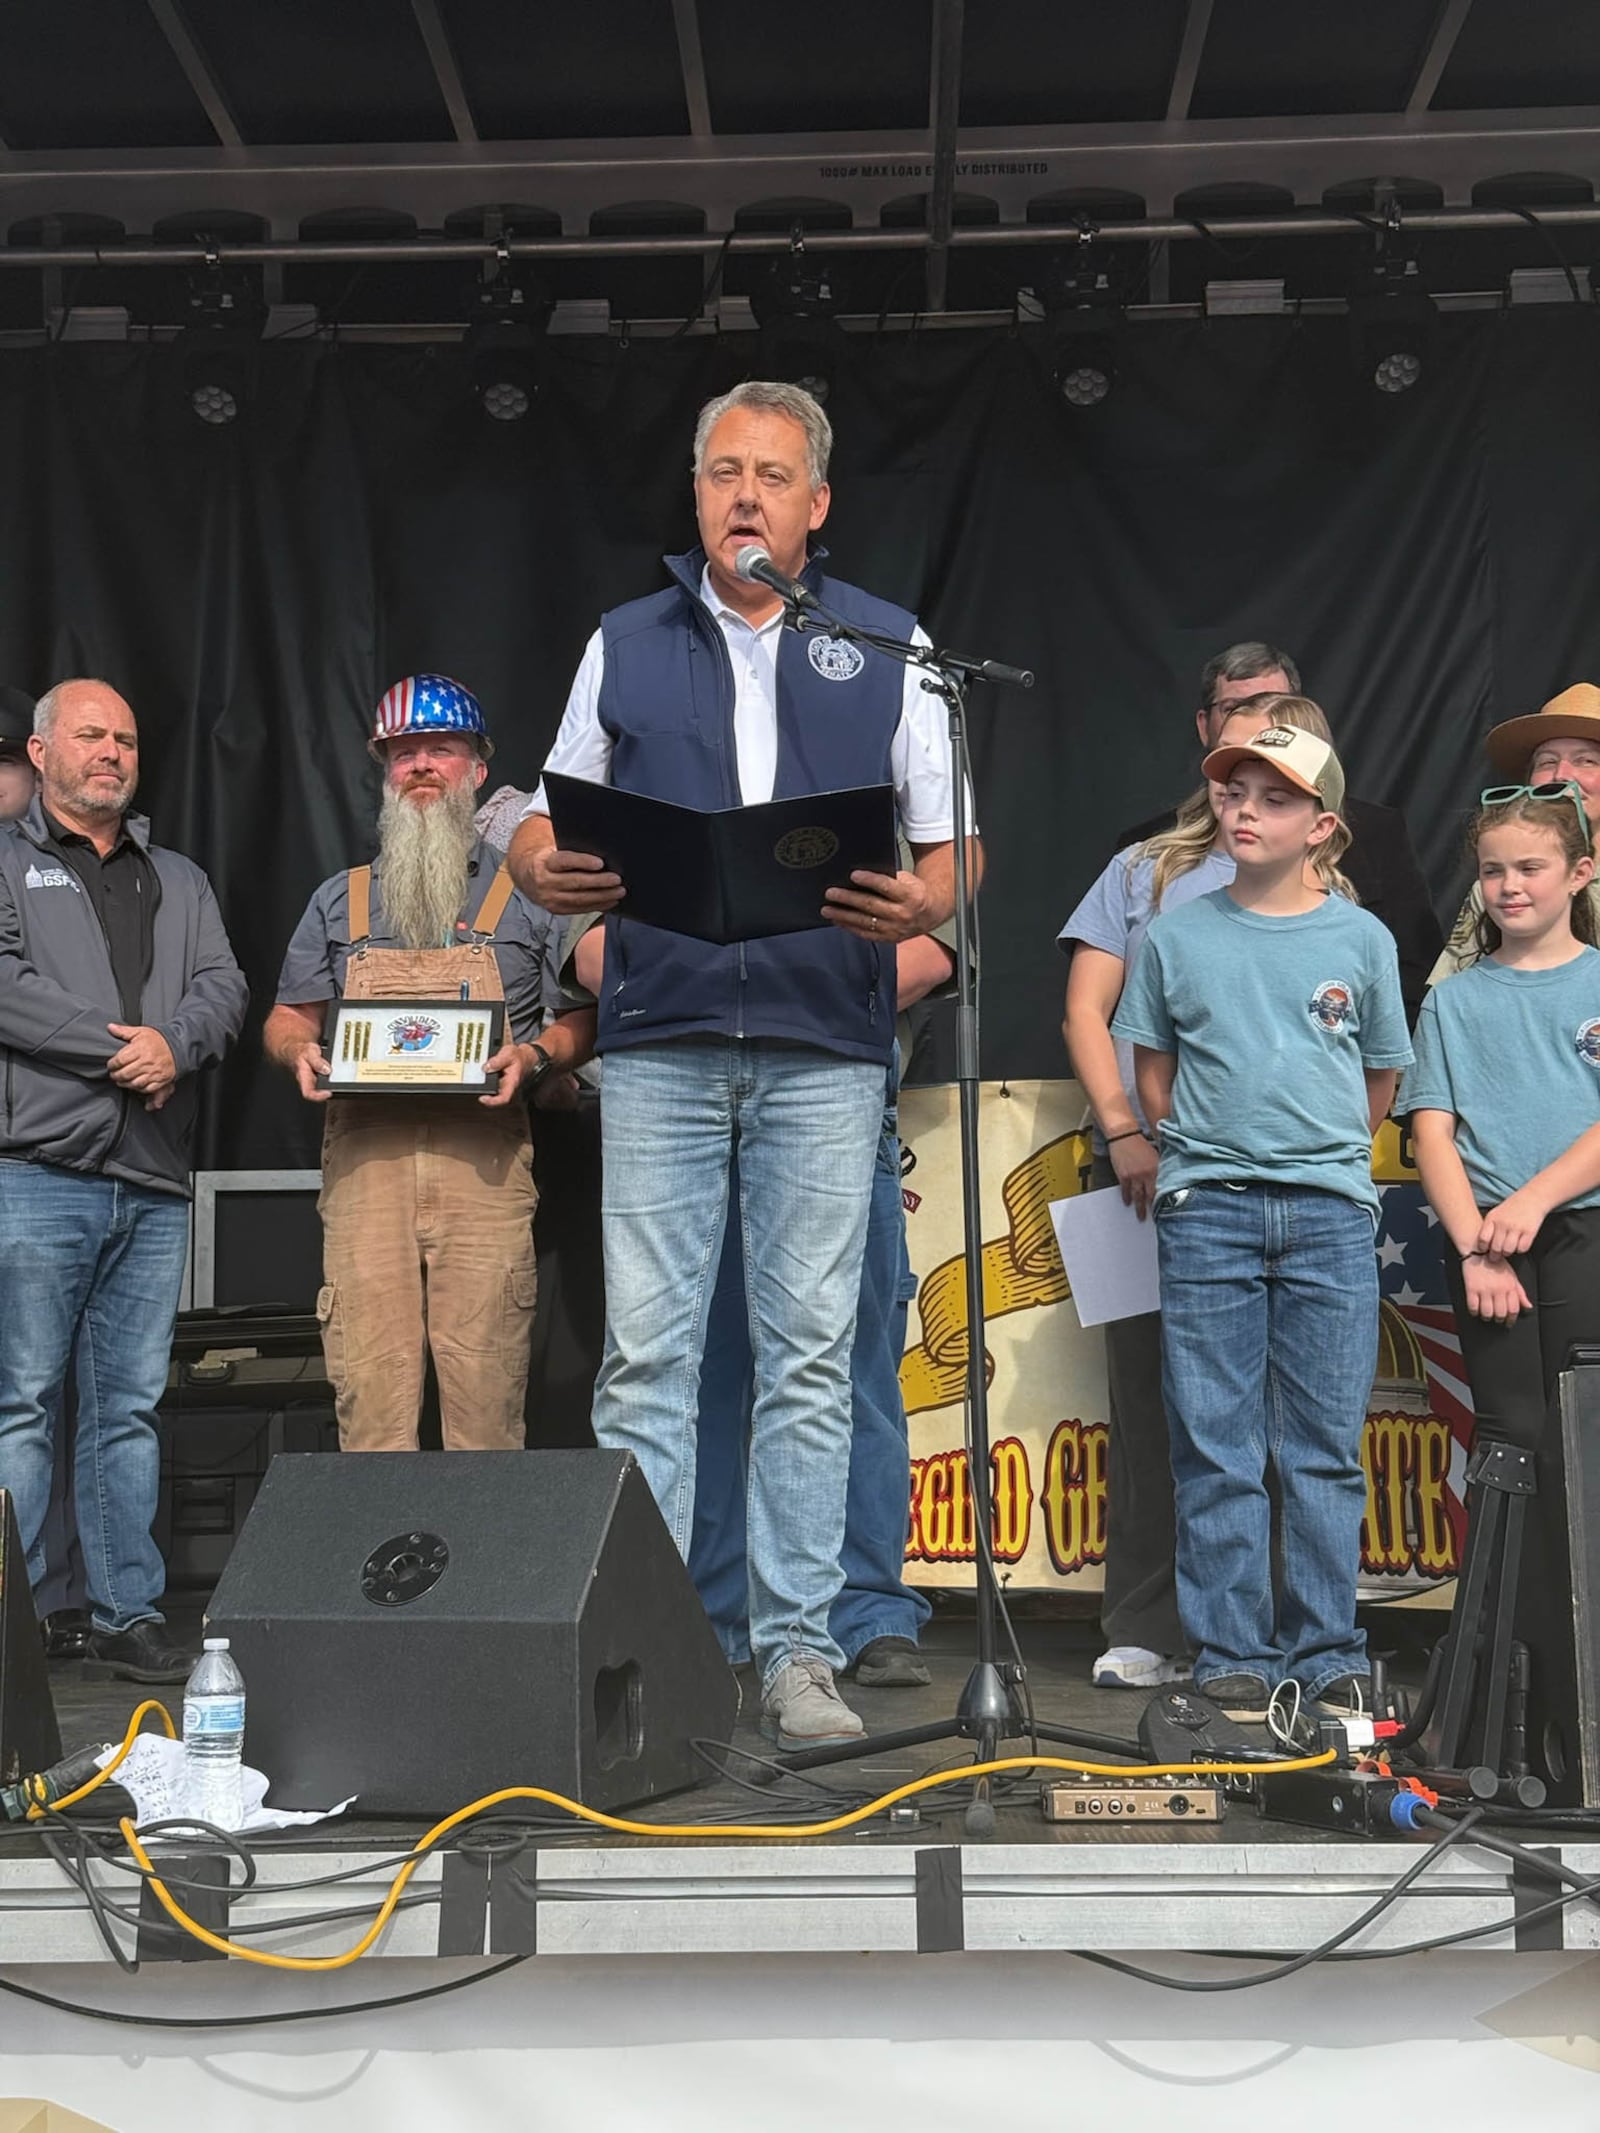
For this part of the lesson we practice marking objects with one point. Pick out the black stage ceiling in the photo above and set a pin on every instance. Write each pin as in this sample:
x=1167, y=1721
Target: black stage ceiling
x=289, y=121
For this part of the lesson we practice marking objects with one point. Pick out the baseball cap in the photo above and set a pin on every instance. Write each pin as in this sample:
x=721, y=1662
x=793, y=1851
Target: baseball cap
x=16, y=717
x=1575, y=711
x=1304, y=759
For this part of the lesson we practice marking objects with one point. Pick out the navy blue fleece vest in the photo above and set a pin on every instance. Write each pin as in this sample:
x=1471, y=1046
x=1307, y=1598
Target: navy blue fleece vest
x=666, y=700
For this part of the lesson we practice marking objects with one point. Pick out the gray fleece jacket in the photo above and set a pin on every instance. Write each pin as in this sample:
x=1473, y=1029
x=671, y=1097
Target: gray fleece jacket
x=58, y=1103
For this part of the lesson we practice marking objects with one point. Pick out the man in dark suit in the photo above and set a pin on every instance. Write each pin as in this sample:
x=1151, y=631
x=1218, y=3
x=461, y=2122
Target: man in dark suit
x=1381, y=864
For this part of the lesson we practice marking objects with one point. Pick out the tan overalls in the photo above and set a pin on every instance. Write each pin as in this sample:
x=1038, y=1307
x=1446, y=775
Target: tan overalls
x=427, y=1225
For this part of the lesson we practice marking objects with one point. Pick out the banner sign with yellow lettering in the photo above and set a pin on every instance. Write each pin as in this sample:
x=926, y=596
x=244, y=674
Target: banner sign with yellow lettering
x=1046, y=1374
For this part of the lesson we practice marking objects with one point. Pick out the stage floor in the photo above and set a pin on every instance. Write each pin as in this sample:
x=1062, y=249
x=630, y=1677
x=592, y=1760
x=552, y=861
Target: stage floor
x=1058, y=1648
x=1245, y=1884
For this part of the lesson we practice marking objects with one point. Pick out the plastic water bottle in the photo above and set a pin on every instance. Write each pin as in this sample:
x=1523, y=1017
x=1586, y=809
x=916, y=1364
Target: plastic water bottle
x=213, y=1736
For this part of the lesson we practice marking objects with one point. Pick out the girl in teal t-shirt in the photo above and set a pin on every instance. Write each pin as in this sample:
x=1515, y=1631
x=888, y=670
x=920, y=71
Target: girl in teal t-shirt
x=1504, y=1101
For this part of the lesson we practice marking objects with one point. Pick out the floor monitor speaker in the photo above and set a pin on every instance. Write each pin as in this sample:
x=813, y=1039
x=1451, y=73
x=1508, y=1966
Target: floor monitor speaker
x=29, y=1739
x=421, y=1628
x=1558, y=1600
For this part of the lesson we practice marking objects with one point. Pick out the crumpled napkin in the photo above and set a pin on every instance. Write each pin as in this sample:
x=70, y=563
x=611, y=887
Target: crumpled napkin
x=156, y=1777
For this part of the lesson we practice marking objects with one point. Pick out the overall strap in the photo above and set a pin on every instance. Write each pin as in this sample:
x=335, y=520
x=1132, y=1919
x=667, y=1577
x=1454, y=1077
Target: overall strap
x=493, y=907
x=358, y=888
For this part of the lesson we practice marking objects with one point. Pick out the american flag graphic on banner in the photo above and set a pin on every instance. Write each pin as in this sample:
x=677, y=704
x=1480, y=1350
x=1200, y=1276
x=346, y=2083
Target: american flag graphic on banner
x=1420, y=1420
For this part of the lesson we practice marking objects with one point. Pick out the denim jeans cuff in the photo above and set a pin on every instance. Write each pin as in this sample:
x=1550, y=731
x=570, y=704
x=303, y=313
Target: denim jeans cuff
x=1357, y=1667
x=120, y=1629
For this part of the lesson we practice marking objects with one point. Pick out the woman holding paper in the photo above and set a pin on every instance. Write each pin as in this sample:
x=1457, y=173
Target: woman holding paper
x=1139, y=1611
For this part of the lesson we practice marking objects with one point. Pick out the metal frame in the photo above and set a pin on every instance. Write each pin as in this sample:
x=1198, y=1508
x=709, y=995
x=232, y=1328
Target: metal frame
x=209, y=92
x=692, y=61
x=1014, y=166
x=446, y=72
x=1186, y=69
x=678, y=1899
x=944, y=119
x=1178, y=229
x=200, y=1278
x=1447, y=27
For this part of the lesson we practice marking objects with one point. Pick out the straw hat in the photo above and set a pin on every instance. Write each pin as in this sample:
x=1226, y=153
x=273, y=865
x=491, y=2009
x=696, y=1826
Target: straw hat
x=1575, y=711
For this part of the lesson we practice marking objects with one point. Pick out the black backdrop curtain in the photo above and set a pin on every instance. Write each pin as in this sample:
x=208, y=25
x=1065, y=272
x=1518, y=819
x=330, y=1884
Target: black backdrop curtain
x=1433, y=562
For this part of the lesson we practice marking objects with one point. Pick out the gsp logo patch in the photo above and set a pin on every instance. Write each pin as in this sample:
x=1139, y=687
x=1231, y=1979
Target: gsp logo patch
x=38, y=877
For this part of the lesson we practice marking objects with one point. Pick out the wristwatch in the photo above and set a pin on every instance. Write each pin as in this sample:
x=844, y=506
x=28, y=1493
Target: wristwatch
x=546, y=1066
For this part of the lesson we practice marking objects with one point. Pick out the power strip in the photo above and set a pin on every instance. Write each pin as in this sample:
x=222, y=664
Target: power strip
x=1139, y=1800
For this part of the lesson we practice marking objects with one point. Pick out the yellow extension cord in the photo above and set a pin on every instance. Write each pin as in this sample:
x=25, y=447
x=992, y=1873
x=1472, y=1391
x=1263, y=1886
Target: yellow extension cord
x=622, y=1826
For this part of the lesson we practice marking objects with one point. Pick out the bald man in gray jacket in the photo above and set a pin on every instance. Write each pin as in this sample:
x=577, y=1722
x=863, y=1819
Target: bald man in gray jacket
x=117, y=985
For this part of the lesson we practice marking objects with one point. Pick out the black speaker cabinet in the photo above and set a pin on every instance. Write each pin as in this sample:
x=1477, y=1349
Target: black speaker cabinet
x=422, y=1628
x=29, y=1739
x=1558, y=1602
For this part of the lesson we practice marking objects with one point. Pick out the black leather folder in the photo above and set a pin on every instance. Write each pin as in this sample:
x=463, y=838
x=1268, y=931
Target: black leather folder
x=734, y=873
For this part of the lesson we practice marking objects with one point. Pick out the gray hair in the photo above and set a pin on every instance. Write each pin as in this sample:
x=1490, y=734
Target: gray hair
x=1247, y=662
x=44, y=711
x=770, y=397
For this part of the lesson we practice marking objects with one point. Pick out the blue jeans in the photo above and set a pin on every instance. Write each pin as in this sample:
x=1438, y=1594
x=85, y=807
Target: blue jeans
x=1269, y=1328
x=806, y=1125
x=99, y=1263
x=875, y=1600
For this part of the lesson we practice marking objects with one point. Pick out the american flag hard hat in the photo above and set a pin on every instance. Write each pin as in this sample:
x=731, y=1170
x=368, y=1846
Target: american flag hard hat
x=429, y=703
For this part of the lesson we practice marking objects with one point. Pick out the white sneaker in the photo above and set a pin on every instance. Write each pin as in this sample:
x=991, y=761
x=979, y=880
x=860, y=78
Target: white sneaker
x=1130, y=1666
x=803, y=1708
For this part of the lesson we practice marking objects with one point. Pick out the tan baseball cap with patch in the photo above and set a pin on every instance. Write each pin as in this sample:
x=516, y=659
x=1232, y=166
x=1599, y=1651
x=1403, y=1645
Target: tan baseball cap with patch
x=1575, y=712
x=1304, y=759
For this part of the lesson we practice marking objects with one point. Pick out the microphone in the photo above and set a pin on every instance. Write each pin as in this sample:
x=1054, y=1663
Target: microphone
x=755, y=566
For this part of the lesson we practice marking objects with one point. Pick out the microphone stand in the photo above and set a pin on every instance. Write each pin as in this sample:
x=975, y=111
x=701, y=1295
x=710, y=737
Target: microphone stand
x=990, y=1707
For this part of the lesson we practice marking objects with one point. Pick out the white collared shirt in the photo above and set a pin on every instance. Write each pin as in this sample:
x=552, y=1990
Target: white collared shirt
x=919, y=756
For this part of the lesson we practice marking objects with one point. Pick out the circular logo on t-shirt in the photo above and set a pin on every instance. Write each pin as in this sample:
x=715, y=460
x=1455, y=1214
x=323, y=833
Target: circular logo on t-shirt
x=835, y=658
x=1587, y=1041
x=1332, y=1005
x=805, y=847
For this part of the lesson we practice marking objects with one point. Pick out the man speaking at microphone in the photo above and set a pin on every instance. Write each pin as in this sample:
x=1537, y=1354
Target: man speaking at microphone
x=783, y=1046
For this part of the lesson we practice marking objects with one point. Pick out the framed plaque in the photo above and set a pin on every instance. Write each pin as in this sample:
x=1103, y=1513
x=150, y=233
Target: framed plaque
x=412, y=1047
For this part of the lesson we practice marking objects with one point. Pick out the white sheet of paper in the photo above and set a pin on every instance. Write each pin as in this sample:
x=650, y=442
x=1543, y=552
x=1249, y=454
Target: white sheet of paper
x=1109, y=1255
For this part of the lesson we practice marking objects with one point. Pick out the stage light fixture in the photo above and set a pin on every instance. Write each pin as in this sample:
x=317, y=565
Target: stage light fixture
x=1085, y=360
x=509, y=317
x=801, y=340
x=1083, y=320
x=1392, y=324
x=219, y=344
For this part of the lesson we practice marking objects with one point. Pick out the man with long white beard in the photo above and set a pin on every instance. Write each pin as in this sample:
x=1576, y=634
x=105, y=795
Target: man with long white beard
x=427, y=1202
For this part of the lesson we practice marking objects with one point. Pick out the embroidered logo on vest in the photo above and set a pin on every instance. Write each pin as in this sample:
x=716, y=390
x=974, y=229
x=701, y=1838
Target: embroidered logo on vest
x=835, y=658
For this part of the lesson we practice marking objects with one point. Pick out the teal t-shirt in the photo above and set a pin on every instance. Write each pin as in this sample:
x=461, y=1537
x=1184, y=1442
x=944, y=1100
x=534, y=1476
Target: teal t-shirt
x=1273, y=1021
x=1115, y=916
x=1515, y=1054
